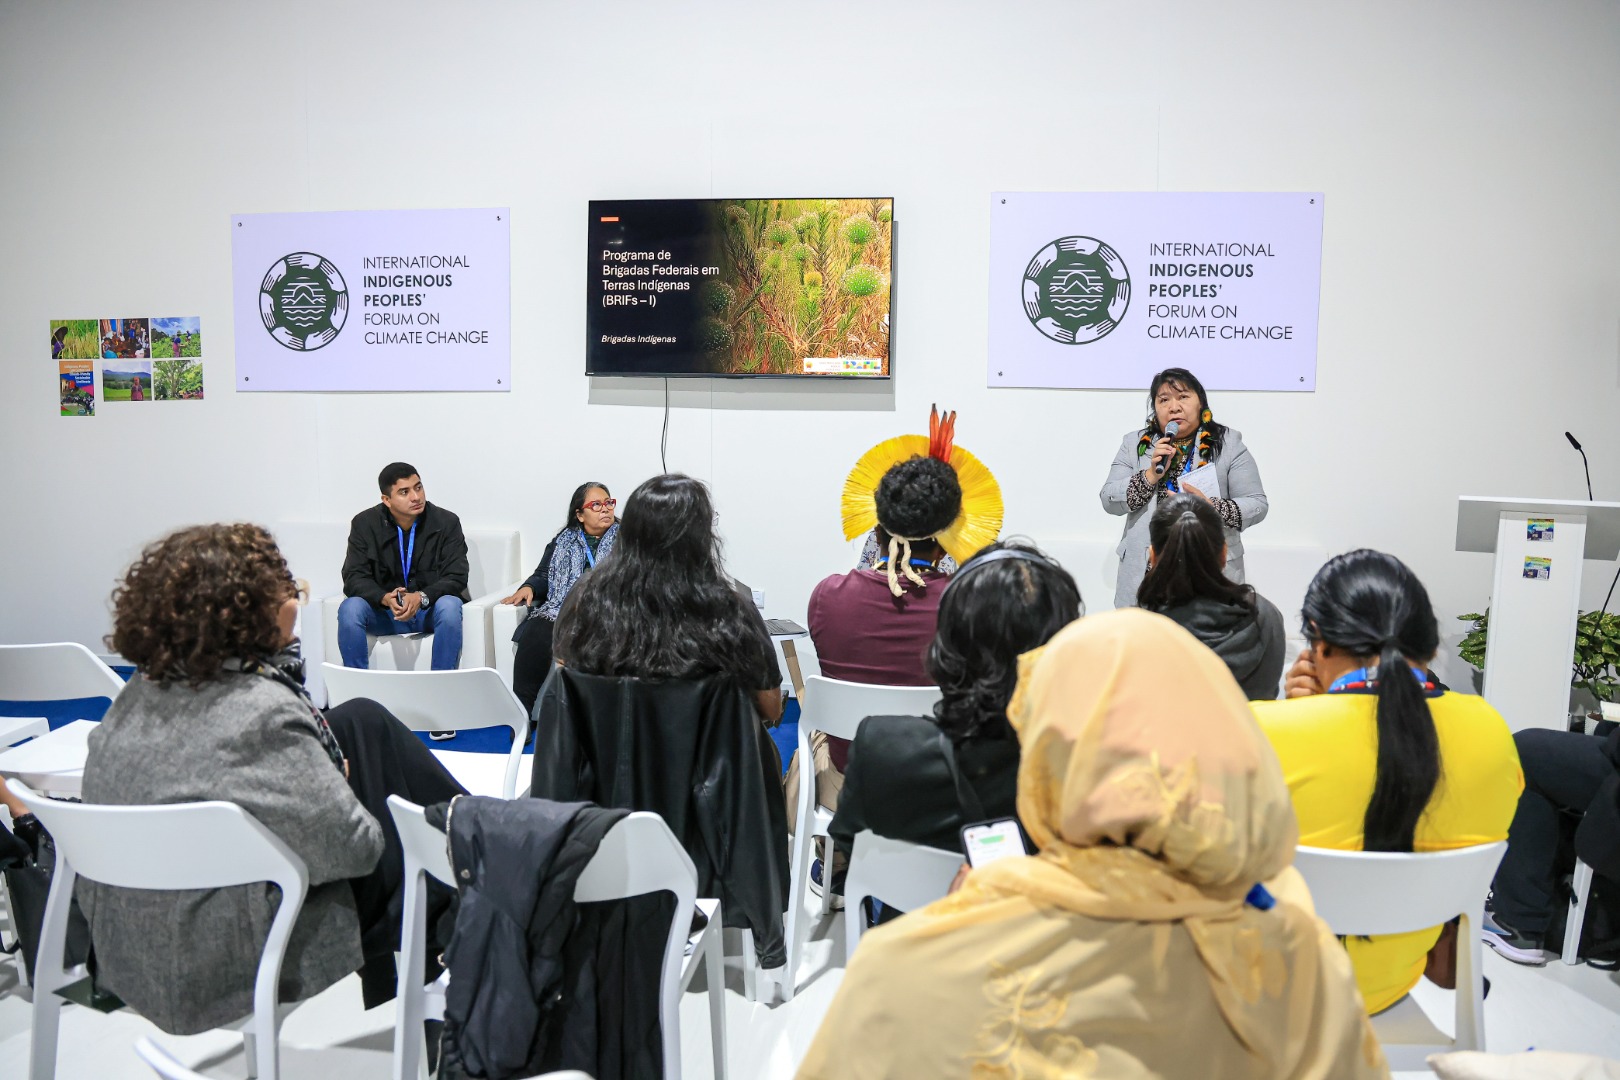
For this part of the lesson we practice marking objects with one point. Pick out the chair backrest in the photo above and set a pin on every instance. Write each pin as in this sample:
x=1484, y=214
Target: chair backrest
x=904, y=876
x=464, y=699
x=494, y=560
x=1381, y=892
x=55, y=672
x=162, y=1062
x=640, y=855
x=423, y=845
x=838, y=707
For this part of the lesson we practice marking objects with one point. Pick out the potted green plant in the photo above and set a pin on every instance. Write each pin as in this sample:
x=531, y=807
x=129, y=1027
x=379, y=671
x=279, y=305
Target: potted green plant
x=1595, y=667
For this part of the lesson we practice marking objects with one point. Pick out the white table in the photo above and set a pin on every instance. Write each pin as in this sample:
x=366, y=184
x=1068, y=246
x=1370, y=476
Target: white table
x=52, y=764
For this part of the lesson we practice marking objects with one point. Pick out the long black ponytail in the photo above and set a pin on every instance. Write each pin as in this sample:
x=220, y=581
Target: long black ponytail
x=1187, y=537
x=1371, y=605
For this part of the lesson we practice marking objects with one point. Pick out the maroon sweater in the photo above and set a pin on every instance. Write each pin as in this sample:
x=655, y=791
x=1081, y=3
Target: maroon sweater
x=864, y=633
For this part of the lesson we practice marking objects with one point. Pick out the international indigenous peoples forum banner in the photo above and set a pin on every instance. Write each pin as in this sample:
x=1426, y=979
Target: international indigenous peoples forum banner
x=373, y=300
x=1100, y=291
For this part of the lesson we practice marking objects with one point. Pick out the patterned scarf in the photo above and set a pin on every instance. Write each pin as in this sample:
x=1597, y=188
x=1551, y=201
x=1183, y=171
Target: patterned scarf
x=287, y=668
x=569, y=561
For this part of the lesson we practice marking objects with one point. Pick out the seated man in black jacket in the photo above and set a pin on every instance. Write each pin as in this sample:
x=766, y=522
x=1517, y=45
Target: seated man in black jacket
x=920, y=779
x=405, y=573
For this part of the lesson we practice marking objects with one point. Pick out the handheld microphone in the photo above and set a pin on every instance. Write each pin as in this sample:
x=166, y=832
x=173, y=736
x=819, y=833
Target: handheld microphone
x=1573, y=442
x=1170, y=430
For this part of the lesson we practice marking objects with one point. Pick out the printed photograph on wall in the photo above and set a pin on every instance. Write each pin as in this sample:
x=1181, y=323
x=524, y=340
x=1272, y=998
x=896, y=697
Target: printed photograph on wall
x=125, y=339
x=126, y=380
x=177, y=380
x=73, y=339
x=173, y=339
x=76, y=387
x=1539, y=530
x=1539, y=569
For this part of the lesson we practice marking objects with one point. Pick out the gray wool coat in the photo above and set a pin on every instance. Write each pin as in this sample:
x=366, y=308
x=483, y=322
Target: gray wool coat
x=186, y=959
x=1240, y=481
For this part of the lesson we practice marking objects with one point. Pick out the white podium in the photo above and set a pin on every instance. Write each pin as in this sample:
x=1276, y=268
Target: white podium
x=1540, y=545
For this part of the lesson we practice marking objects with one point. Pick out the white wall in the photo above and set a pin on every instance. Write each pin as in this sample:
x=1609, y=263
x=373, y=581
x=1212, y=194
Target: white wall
x=1470, y=153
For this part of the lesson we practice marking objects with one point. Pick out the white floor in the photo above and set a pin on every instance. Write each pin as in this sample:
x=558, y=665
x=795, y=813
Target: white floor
x=1550, y=1008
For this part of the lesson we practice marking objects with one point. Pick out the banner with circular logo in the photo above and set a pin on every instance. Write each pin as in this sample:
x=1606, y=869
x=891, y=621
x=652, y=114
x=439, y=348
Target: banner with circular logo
x=1102, y=290
x=373, y=300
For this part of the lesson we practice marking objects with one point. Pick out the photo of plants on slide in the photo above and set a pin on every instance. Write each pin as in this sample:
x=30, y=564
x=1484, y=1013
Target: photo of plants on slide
x=800, y=278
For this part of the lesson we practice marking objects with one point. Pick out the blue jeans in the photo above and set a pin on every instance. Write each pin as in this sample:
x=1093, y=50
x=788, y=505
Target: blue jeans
x=358, y=617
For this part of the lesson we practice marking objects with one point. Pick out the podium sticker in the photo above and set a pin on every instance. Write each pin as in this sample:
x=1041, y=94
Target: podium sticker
x=1539, y=531
x=1538, y=568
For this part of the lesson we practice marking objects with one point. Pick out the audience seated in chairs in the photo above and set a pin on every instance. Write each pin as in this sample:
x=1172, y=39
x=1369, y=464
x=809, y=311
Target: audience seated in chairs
x=871, y=626
x=217, y=711
x=1566, y=774
x=585, y=540
x=1136, y=941
x=1380, y=758
x=1185, y=582
x=920, y=779
x=667, y=678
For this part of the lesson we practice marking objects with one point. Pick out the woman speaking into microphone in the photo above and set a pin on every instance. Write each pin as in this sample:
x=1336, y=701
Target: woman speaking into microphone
x=1181, y=448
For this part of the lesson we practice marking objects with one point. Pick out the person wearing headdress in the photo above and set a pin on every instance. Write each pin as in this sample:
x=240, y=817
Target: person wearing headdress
x=1179, y=448
x=924, y=498
x=1160, y=930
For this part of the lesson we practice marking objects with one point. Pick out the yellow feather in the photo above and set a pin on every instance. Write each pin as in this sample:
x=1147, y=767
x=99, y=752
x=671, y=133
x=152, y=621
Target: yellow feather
x=978, y=523
x=860, y=488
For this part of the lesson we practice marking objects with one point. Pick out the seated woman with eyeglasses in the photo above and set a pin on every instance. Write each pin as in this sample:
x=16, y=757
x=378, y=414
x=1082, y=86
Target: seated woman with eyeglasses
x=585, y=540
x=217, y=710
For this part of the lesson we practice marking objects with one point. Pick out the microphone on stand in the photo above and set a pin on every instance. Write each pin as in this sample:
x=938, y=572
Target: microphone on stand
x=1577, y=446
x=1170, y=430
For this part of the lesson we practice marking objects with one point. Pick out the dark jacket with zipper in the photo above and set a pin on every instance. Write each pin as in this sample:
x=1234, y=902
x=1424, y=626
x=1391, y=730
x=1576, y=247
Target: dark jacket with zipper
x=538, y=982
x=1251, y=641
x=692, y=751
x=373, y=567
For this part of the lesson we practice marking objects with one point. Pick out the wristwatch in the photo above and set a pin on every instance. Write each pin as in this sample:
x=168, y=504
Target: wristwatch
x=425, y=602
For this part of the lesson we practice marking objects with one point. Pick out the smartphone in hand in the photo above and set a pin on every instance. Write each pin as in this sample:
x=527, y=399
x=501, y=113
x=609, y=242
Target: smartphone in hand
x=986, y=841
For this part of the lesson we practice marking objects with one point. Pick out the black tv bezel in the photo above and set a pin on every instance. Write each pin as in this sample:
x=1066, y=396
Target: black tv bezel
x=894, y=277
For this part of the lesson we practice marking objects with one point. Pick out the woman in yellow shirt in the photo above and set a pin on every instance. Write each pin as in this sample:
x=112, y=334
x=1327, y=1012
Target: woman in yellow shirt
x=1376, y=756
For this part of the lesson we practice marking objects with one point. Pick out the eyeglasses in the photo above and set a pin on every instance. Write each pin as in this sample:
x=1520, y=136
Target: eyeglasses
x=599, y=505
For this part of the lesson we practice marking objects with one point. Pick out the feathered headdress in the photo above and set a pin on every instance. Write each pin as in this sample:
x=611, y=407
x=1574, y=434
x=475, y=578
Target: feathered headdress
x=977, y=523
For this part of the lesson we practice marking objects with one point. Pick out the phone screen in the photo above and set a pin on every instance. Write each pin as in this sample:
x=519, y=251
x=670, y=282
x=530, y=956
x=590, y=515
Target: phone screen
x=991, y=840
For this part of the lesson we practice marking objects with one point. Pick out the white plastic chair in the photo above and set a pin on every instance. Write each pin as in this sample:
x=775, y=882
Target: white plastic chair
x=462, y=700
x=1582, y=889
x=13, y=730
x=55, y=672
x=205, y=845
x=162, y=1062
x=493, y=571
x=902, y=875
x=1380, y=892
x=837, y=708
x=638, y=855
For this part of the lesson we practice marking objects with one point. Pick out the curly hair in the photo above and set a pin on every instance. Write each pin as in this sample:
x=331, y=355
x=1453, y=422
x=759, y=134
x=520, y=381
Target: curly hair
x=199, y=597
x=918, y=498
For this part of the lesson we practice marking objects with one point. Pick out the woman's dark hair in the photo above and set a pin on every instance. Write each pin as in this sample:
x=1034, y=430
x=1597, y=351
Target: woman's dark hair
x=1187, y=537
x=918, y=498
x=1182, y=379
x=990, y=614
x=199, y=597
x=663, y=606
x=1373, y=607
x=576, y=503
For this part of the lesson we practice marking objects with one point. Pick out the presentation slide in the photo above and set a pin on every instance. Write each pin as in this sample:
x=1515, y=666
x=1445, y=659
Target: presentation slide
x=771, y=287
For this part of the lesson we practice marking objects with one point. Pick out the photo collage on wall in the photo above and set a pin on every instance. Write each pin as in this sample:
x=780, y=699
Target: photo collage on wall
x=151, y=359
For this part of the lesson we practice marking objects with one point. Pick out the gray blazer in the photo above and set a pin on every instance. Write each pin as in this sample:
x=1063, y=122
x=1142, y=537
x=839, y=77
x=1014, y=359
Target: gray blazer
x=1240, y=482
x=186, y=959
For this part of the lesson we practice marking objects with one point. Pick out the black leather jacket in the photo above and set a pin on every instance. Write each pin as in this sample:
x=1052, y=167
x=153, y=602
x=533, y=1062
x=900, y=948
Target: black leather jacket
x=692, y=751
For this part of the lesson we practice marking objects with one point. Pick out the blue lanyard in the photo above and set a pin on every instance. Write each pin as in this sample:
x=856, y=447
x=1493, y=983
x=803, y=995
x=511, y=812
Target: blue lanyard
x=406, y=554
x=590, y=556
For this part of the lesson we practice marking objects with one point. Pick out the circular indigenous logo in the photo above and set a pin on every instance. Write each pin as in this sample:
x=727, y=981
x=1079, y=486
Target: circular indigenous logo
x=303, y=301
x=1076, y=290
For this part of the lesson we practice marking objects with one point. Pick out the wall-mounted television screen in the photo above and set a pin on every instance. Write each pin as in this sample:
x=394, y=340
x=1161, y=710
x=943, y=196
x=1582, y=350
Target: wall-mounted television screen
x=783, y=287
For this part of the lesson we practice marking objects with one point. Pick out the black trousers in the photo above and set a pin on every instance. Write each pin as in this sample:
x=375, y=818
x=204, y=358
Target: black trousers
x=386, y=758
x=1562, y=773
x=532, y=662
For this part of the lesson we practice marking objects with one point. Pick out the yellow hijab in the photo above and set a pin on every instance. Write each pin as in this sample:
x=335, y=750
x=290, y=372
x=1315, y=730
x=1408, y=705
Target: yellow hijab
x=1125, y=947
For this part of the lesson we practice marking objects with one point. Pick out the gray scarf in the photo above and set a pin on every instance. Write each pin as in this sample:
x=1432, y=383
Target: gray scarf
x=569, y=561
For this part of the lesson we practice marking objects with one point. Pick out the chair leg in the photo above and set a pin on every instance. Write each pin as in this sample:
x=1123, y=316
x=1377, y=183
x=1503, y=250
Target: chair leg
x=250, y=1050
x=46, y=1024
x=798, y=886
x=1470, y=1018
x=410, y=1038
x=715, y=975
x=1582, y=887
x=824, y=908
x=750, y=966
